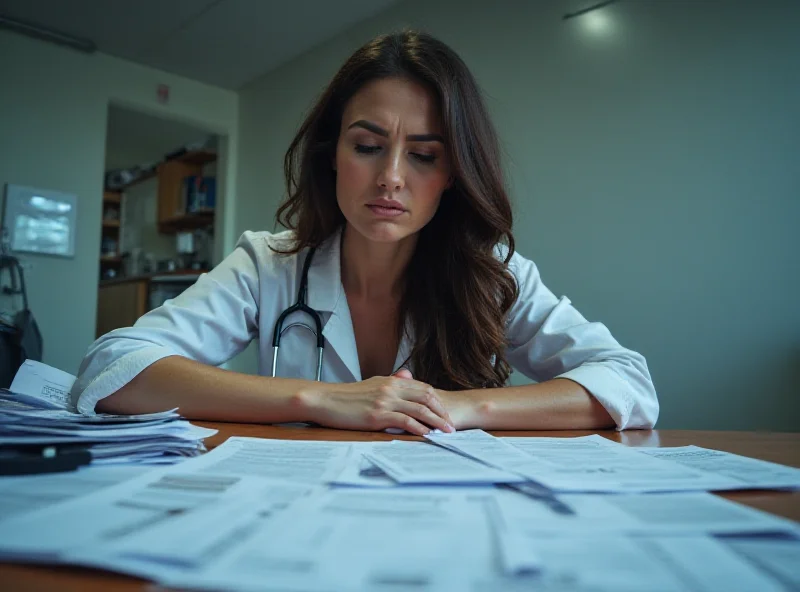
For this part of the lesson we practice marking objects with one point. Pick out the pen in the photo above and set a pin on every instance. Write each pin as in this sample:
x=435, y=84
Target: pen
x=542, y=494
x=30, y=460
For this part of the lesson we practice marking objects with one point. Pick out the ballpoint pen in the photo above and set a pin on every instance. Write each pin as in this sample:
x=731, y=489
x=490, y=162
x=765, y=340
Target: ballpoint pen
x=30, y=460
x=542, y=494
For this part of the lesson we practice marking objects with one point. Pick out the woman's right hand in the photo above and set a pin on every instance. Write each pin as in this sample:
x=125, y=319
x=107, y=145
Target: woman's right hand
x=377, y=403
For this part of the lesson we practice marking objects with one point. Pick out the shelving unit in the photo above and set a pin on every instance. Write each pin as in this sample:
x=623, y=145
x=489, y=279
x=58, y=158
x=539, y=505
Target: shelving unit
x=110, y=261
x=172, y=216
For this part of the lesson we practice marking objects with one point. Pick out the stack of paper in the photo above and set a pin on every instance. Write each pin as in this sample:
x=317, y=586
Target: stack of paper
x=36, y=411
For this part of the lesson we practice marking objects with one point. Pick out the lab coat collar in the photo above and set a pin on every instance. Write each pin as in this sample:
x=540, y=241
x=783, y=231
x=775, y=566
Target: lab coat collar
x=325, y=275
x=326, y=294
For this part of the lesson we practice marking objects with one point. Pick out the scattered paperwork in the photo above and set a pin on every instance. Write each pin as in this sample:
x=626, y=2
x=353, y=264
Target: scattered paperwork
x=585, y=464
x=617, y=563
x=421, y=463
x=36, y=411
x=747, y=473
x=656, y=513
x=301, y=461
x=461, y=511
x=19, y=495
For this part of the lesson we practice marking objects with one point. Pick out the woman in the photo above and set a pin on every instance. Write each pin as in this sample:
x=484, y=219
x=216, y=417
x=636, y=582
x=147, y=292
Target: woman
x=396, y=200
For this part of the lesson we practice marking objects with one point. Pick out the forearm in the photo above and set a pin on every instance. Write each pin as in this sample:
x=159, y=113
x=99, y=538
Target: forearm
x=205, y=392
x=559, y=404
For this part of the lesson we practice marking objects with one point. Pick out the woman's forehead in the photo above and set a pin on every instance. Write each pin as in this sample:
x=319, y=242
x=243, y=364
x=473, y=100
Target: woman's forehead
x=392, y=102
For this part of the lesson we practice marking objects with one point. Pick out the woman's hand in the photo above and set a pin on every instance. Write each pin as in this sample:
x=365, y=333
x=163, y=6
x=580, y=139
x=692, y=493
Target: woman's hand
x=378, y=403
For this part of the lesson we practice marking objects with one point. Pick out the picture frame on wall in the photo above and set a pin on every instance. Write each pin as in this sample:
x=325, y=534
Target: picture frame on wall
x=40, y=221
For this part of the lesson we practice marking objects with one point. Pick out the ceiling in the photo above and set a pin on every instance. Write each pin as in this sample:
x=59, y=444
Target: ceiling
x=226, y=43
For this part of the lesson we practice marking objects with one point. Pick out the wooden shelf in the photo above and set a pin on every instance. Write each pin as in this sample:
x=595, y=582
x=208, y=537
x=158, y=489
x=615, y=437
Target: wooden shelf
x=110, y=223
x=199, y=157
x=187, y=222
x=110, y=259
x=112, y=197
x=195, y=157
x=146, y=177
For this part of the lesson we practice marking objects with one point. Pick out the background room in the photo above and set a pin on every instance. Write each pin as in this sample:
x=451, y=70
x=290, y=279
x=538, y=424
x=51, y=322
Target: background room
x=159, y=199
x=652, y=151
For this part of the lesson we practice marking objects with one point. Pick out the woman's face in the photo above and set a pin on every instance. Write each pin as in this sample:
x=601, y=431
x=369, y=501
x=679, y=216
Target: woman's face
x=391, y=165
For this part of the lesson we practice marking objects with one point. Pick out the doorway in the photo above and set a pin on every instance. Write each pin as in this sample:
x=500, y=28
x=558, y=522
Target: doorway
x=161, y=206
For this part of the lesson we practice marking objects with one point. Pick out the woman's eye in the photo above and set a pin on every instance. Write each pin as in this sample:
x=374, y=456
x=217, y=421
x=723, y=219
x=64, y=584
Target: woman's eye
x=364, y=149
x=424, y=158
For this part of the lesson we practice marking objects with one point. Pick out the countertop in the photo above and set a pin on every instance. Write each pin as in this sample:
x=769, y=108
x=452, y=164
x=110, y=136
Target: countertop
x=158, y=276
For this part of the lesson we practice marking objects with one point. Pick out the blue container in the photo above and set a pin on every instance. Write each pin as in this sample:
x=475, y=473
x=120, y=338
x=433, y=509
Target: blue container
x=201, y=194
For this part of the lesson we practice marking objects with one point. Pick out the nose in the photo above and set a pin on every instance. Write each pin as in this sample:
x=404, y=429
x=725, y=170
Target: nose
x=392, y=175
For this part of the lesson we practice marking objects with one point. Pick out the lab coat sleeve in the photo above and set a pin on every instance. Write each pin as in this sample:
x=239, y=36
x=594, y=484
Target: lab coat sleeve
x=548, y=338
x=211, y=321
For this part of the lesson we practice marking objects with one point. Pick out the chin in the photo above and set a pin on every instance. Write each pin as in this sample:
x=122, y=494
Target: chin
x=384, y=232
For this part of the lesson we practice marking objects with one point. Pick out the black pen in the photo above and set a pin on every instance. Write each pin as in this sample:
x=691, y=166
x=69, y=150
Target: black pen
x=34, y=459
x=542, y=494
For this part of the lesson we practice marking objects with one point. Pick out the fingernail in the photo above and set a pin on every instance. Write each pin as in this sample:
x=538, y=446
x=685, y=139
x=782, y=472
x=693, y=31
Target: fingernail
x=450, y=427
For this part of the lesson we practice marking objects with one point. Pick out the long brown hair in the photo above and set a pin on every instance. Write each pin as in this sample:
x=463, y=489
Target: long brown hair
x=458, y=291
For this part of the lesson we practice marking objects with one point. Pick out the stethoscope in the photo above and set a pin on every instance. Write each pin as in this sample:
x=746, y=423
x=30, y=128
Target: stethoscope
x=299, y=306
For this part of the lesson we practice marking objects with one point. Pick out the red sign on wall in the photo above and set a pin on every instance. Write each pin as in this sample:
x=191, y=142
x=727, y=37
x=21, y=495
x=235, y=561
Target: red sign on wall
x=162, y=92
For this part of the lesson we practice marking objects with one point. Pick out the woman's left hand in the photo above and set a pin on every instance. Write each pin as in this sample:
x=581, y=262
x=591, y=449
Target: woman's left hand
x=458, y=404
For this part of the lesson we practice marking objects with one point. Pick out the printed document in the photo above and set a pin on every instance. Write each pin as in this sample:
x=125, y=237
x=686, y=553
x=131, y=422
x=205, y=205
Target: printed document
x=303, y=461
x=357, y=539
x=655, y=513
x=617, y=563
x=42, y=385
x=749, y=473
x=19, y=495
x=423, y=463
x=118, y=511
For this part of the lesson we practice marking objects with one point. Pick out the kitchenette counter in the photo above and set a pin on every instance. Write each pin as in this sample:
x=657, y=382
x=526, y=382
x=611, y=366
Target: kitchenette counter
x=156, y=276
x=120, y=301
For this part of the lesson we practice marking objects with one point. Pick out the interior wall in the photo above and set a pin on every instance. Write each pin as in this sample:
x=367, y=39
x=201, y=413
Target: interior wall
x=652, y=151
x=53, y=113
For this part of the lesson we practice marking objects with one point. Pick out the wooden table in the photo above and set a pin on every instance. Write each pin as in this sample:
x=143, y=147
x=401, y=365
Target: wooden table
x=781, y=448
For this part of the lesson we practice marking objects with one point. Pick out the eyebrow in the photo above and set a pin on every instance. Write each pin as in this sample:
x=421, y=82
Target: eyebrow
x=376, y=129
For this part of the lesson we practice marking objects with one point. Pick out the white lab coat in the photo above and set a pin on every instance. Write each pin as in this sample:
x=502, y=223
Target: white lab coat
x=241, y=298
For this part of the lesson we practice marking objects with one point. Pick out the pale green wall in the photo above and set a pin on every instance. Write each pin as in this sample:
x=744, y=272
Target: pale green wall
x=53, y=109
x=655, y=174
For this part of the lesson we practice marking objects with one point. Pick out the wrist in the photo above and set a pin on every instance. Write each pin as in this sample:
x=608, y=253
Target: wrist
x=467, y=409
x=306, y=403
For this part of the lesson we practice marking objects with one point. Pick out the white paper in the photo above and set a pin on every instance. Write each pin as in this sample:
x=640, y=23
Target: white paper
x=595, y=464
x=19, y=495
x=709, y=564
x=477, y=444
x=779, y=557
x=117, y=511
x=748, y=472
x=357, y=539
x=31, y=434
x=656, y=513
x=194, y=538
x=423, y=463
x=617, y=563
x=62, y=417
x=42, y=384
x=359, y=471
x=301, y=461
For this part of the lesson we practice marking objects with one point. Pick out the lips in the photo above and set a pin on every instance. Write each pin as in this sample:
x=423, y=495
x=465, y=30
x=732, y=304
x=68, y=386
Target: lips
x=386, y=207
